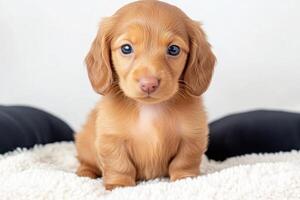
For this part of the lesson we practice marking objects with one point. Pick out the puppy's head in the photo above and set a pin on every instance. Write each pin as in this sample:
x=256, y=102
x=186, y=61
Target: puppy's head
x=150, y=50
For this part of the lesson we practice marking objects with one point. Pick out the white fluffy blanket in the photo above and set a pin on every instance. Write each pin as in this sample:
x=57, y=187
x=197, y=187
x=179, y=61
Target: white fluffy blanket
x=47, y=172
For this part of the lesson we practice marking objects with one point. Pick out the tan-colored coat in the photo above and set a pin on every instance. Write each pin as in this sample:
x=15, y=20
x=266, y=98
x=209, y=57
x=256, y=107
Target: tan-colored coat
x=131, y=135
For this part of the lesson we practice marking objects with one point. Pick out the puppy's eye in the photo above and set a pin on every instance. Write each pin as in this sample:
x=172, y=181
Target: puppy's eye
x=126, y=49
x=173, y=50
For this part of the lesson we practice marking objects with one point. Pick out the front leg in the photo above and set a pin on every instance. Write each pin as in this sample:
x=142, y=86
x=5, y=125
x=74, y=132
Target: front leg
x=117, y=169
x=187, y=161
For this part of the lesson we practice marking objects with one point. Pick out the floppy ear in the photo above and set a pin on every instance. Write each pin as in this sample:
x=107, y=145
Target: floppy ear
x=98, y=59
x=201, y=60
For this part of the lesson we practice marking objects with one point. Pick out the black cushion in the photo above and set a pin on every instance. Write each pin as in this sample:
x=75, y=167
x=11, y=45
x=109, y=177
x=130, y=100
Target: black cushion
x=259, y=131
x=22, y=126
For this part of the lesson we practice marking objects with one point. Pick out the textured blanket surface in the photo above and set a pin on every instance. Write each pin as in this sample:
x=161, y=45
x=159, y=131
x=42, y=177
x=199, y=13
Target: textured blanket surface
x=47, y=172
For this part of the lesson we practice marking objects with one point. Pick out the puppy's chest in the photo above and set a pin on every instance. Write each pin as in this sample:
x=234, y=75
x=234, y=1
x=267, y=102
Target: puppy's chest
x=154, y=123
x=155, y=139
x=155, y=133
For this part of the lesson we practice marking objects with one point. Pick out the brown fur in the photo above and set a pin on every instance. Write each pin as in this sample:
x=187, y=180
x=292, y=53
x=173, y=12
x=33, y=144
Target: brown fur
x=132, y=136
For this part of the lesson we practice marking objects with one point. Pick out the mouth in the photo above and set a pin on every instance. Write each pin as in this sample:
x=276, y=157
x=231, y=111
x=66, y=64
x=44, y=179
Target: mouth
x=152, y=98
x=147, y=98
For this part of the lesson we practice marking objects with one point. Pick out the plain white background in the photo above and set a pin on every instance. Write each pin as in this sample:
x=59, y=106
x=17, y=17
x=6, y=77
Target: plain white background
x=43, y=45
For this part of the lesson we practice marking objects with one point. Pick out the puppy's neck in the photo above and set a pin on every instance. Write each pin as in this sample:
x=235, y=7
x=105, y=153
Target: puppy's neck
x=147, y=113
x=150, y=109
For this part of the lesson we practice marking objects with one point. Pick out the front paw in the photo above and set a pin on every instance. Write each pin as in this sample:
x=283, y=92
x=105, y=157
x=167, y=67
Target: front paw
x=118, y=181
x=180, y=174
x=86, y=171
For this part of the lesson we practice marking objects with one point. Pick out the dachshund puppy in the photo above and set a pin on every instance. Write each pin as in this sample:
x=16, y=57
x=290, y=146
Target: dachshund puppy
x=152, y=63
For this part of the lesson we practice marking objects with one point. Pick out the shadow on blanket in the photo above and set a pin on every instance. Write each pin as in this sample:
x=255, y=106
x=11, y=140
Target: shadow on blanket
x=243, y=133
